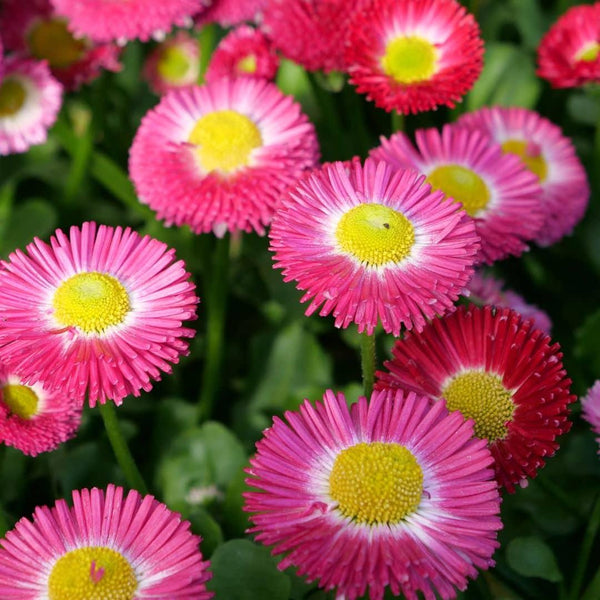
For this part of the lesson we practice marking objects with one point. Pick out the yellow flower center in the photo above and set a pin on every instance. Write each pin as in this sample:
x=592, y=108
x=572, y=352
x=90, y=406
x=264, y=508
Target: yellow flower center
x=91, y=301
x=51, y=40
x=588, y=53
x=461, y=184
x=173, y=64
x=92, y=574
x=375, y=234
x=409, y=59
x=247, y=64
x=225, y=139
x=12, y=96
x=480, y=396
x=530, y=154
x=376, y=482
x=21, y=400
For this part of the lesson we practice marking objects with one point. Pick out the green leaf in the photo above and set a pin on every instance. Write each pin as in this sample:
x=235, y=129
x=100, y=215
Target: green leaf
x=198, y=466
x=587, y=344
x=508, y=79
x=244, y=571
x=34, y=217
x=531, y=557
x=206, y=527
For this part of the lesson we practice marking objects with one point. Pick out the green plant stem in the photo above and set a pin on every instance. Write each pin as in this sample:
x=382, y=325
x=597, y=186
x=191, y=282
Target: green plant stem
x=584, y=553
x=367, y=362
x=561, y=498
x=207, y=41
x=592, y=591
x=397, y=121
x=120, y=448
x=596, y=164
x=216, y=287
x=354, y=107
x=328, y=108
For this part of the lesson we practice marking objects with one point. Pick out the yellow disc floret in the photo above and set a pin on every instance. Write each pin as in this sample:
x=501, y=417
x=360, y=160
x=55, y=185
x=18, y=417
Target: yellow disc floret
x=173, y=64
x=92, y=574
x=375, y=234
x=481, y=396
x=530, y=154
x=91, y=301
x=51, y=40
x=376, y=482
x=21, y=400
x=12, y=96
x=589, y=52
x=247, y=64
x=225, y=140
x=409, y=59
x=462, y=185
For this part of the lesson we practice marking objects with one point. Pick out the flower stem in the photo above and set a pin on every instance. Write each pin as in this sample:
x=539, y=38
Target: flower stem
x=397, y=121
x=586, y=547
x=367, y=362
x=120, y=448
x=216, y=278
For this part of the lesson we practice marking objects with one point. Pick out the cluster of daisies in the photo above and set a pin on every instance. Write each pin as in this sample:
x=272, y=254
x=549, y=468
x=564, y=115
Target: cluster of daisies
x=400, y=490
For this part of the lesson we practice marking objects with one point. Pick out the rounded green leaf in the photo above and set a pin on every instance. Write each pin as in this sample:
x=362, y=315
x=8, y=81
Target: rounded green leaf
x=531, y=557
x=244, y=571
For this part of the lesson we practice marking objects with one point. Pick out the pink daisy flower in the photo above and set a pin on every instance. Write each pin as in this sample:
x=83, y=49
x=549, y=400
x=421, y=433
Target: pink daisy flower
x=569, y=53
x=413, y=55
x=310, y=32
x=486, y=289
x=590, y=404
x=98, y=312
x=218, y=157
x=243, y=51
x=32, y=419
x=33, y=28
x=228, y=13
x=549, y=155
x=173, y=64
x=392, y=493
x=501, y=195
x=498, y=370
x=115, y=20
x=107, y=545
x=369, y=244
x=30, y=99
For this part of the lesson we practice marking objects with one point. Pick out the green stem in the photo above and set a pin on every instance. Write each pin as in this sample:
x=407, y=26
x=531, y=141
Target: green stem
x=596, y=163
x=586, y=547
x=208, y=38
x=397, y=121
x=120, y=448
x=356, y=113
x=216, y=279
x=367, y=362
x=592, y=592
x=328, y=108
x=561, y=498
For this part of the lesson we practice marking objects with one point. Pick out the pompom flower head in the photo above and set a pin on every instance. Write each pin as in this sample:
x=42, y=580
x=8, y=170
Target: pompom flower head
x=370, y=245
x=569, y=53
x=32, y=419
x=228, y=13
x=498, y=370
x=590, y=405
x=98, y=312
x=218, y=157
x=392, y=493
x=34, y=28
x=310, y=32
x=173, y=64
x=487, y=289
x=107, y=545
x=497, y=190
x=30, y=99
x=243, y=51
x=549, y=155
x=413, y=55
x=115, y=20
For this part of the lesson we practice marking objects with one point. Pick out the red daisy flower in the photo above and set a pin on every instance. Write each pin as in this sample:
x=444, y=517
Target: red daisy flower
x=243, y=51
x=498, y=370
x=413, y=55
x=310, y=32
x=569, y=53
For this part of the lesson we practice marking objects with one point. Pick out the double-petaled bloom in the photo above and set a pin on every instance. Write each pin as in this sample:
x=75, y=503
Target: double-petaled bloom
x=98, y=312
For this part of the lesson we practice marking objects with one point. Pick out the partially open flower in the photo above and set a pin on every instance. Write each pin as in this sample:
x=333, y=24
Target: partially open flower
x=30, y=98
